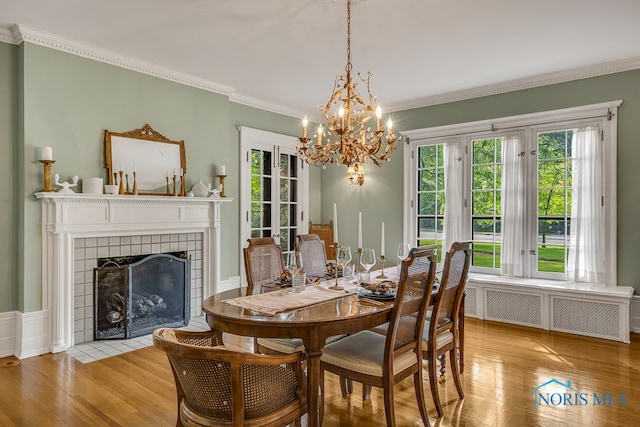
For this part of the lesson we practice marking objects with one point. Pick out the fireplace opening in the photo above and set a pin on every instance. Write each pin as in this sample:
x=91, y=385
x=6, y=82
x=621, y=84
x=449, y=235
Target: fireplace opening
x=136, y=294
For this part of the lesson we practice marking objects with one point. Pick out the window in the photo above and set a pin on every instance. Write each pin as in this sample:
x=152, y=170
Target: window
x=517, y=191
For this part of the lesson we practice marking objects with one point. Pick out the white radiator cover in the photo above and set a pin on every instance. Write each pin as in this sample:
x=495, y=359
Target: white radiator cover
x=596, y=311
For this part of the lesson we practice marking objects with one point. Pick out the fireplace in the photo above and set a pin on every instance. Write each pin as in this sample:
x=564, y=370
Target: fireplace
x=76, y=226
x=136, y=294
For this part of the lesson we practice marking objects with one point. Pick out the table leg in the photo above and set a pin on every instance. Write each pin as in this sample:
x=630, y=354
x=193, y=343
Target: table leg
x=313, y=386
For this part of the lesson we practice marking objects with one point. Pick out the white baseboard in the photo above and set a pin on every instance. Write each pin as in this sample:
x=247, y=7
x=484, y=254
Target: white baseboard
x=32, y=337
x=231, y=283
x=635, y=314
x=8, y=327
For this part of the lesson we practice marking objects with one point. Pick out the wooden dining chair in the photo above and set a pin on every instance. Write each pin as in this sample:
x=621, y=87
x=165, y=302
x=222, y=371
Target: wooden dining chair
x=311, y=251
x=384, y=360
x=217, y=386
x=325, y=232
x=443, y=332
x=262, y=262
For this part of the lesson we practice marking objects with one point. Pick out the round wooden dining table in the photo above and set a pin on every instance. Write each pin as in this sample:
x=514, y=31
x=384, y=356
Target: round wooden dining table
x=314, y=324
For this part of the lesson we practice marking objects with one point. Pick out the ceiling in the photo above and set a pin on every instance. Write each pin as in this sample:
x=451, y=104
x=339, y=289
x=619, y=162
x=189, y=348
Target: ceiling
x=284, y=55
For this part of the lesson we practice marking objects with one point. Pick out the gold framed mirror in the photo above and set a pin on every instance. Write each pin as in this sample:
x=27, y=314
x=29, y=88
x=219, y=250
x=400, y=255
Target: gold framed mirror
x=154, y=157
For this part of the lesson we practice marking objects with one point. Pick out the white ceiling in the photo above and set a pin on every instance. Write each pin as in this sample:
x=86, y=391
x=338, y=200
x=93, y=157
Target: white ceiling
x=285, y=54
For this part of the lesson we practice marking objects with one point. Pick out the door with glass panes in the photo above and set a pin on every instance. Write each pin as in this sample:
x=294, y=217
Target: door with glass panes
x=275, y=194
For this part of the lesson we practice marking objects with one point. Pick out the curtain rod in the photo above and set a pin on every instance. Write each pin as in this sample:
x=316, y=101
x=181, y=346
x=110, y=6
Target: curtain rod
x=609, y=116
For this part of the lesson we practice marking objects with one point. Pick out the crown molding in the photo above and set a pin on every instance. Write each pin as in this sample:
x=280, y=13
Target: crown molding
x=520, y=84
x=264, y=105
x=34, y=36
x=7, y=36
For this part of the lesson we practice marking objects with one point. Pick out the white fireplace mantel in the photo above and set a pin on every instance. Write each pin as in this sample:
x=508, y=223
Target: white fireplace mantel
x=66, y=217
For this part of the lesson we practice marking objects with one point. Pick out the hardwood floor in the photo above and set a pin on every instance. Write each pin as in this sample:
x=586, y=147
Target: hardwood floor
x=504, y=363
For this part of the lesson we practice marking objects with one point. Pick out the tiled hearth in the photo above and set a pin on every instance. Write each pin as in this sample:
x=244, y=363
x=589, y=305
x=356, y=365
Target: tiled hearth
x=88, y=250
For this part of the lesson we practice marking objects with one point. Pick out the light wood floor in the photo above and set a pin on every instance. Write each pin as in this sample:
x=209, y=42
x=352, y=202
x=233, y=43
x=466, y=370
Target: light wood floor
x=503, y=365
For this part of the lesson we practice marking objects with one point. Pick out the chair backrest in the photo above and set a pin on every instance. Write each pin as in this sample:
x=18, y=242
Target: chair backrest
x=452, y=284
x=225, y=387
x=311, y=251
x=417, y=277
x=262, y=261
x=325, y=232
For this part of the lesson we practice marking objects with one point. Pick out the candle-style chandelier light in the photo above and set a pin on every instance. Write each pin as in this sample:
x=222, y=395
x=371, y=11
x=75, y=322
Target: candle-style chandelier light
x=347, y=137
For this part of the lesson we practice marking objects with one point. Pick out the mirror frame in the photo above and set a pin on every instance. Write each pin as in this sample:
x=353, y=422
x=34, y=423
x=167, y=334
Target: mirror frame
x=146, y=145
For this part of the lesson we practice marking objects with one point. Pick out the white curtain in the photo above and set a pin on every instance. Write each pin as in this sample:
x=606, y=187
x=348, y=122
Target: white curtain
x=586, y=239
x=512, y=206
x=453, y=219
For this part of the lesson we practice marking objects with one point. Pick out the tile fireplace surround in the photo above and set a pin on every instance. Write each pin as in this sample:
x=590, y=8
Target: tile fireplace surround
x=79, y=228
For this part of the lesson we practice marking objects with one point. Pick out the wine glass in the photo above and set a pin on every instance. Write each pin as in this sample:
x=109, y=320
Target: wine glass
x=368, y=260
x=293, y=263
x=403, y=253
x=343, y=257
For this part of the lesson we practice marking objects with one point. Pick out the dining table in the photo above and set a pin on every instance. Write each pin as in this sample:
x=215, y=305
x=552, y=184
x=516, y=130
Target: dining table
x=344, y=313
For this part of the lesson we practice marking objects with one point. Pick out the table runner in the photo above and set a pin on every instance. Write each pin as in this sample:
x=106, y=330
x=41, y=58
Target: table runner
x=282, y=300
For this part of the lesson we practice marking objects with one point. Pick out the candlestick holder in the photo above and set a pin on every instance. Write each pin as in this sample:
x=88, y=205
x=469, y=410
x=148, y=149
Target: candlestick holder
x=47, y=187
x=175, y=188
x=126, y=178
x=182, y=189
x=382, y=276
x=335, y=287
x=121, y=189
x=65, y=185
x=135, y=183
x=222, y=177
x=168, y=188
x=115, y=179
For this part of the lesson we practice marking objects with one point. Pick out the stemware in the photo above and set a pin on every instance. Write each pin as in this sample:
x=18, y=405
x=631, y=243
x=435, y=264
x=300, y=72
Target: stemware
x=343, y=257
x=403, y=253
x=293, y=263
x=368, y=260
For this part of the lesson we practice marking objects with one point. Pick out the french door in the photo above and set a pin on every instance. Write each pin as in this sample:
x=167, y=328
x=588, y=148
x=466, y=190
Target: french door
x=274, y=187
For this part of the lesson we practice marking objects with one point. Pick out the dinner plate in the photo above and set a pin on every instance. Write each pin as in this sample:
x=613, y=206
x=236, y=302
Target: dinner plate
x=366, y=293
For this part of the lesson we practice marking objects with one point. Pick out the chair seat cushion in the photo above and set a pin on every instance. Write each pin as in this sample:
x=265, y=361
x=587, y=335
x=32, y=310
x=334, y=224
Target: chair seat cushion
x=364, y=353
x=443, y=339
x=282, y=345
x=289, y=345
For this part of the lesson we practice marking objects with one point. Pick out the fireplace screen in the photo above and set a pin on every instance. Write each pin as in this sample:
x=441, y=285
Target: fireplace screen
x=137, y=294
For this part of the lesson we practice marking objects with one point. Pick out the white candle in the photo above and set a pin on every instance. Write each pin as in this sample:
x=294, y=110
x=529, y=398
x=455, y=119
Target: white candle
x=359, y=229
x=122, y=167
x=181, y=172
x=335, y=223
x=305, y=122
x=134, y=168
x=382, y=241
x=47, y=153
x=221, y=170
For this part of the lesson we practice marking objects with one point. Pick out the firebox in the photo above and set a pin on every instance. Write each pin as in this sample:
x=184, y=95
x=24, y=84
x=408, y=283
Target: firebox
x=136, y=294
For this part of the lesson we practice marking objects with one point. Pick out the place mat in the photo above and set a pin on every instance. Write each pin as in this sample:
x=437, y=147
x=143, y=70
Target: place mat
x=282, y=300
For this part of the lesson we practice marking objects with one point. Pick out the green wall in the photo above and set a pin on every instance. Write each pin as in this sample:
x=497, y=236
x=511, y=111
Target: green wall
x=8, y=172
x=52, y=98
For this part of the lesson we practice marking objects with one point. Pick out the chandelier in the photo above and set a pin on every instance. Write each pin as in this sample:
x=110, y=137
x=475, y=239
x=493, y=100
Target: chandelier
x=347, y=136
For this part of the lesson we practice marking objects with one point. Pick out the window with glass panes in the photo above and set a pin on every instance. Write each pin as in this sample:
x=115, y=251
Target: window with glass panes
x=430, y=195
